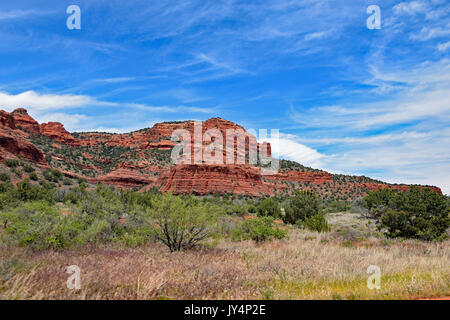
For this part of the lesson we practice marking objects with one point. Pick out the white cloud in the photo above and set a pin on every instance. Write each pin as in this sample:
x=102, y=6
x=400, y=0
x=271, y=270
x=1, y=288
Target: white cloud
x=17, y=14
x=115, y=80
x=443, y=46
x=288, y=147
x=316, y=35
x=36, y=101
x=427, y=33
x=415, y=152
x=409, y=8
x=70, y=121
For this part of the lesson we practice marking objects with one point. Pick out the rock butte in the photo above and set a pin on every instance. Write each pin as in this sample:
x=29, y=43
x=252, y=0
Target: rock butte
x=135, y=163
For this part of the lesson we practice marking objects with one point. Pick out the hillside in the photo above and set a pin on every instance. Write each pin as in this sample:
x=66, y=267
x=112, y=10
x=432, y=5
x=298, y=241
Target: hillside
x=141, y=160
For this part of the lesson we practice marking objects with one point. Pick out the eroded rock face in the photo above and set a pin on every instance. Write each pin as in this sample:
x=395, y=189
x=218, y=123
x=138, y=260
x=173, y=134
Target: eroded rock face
x=13, y=141
x=18, y=146
x=139, y=164
x=204, y=179
x=7, y=120
x=23, y=120
x=401, y=187
x=318, y=177
x=56, y=132
x=125, y=178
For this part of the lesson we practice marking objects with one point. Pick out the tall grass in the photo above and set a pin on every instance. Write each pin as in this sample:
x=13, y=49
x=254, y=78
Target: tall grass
x=307, y=266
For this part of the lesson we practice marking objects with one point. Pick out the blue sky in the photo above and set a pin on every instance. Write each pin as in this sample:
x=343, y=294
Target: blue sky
x=345, y=98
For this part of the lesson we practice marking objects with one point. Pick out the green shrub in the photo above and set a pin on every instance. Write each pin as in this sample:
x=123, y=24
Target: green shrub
x=12, y=163
x=420, y=213
x=181, y=223
x=379, y=201
x=259, y=229
x=37, y=225
x=5, y=177
x=316, y=223
x=53, y=175
x=28, y=168
x=303, y=205
x=338, y=206
x=268, y=208
x=33, y=176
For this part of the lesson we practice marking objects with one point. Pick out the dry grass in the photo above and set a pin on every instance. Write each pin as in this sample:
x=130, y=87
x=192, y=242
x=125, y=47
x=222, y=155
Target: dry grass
x=306, y=266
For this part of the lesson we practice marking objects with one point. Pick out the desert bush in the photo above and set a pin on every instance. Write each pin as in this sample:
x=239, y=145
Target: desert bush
x=268, y=208
x=316, y=223
x=5, y=177
x=303, y=205
x=28, y=168
x=181, y=223
x=379, y=201
x=419, y=213
x=338, y=206
x=259, y=229
x=33, y=176
x=37, y=225
x=52, y=175
x=12, y=163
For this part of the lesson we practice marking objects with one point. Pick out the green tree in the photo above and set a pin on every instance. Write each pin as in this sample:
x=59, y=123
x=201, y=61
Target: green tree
x=181, y=223
x=419, y=213
x=269, y=208
x=303, y=205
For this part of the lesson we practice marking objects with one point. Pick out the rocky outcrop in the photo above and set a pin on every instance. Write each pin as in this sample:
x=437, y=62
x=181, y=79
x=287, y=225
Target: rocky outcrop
x=24, y=121
x=13, y=141
x=56, y=132
x=7, y=120
x=400, y=187
x=129, y=160
x=208, y=179
x=18, y=146
x=316, y=177
x=125, y=178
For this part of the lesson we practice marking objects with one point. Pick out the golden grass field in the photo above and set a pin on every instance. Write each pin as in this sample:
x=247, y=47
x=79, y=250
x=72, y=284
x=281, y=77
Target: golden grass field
x=308, y=265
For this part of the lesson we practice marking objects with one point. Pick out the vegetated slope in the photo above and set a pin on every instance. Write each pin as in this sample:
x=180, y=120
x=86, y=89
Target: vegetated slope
x=141, y=160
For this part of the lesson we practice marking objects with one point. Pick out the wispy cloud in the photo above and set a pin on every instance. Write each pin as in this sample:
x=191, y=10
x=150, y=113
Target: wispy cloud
x=287, y=146
x=21, y=14
x=115, y=80
x=443, y=46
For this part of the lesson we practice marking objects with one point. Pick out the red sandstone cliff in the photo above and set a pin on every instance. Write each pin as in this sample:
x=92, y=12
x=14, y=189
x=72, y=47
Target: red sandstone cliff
x=23, y=120
x=13, y=141
x=56, y=132
x=137, y=168
x=204, y=179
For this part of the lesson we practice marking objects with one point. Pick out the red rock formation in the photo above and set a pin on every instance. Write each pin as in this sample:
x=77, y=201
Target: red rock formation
x=400, y=187
x=135, y=167
x=316, y=177
x=18, y=146
x=124, y=178
x=23, y=120
x=56, y=132
x=162, y=145
x=13, y=141
x=7, y=120
x=204, y=179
